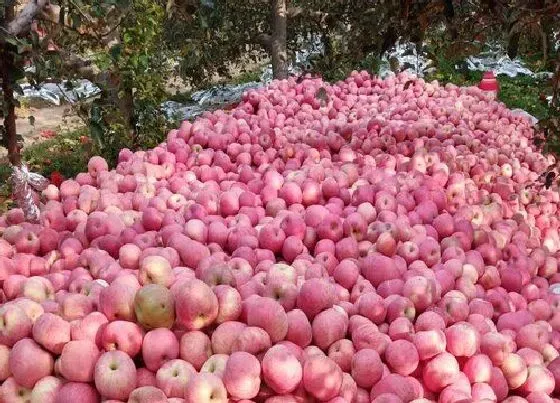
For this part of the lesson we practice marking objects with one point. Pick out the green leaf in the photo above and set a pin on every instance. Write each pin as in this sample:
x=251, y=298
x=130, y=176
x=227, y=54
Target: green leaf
x=18, y=74
x=115, y=52
x=17, y=89
x=76, y=20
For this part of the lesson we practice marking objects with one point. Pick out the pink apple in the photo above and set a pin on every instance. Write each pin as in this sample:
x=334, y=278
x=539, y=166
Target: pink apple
x=196, y=305
x=77, y=360
x=322, y=378
x=147, y=394
x=242, y=375
x=155, y=270
x=116, y=302
x=205, y=388
x=159, y=346
x=215, y=364
x=173, y=377
x=28, y=363
x=122, y=336
x=14, y=324
x=229, y=303
x=269, y=315
x=46, y=390
x=52, y=332
x=195, y=348
x=366, y=368
x=402, y=357
x=440, y=371
x=115, y=375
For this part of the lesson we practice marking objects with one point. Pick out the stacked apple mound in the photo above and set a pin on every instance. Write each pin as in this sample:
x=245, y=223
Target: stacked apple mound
x=367, y=241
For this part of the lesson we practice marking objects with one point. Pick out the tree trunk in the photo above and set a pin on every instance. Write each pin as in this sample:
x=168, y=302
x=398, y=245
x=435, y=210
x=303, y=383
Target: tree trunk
x=278, y=46
x=513, y=45
x=327, y=45
x=119, y=93
x=6, y=69
x=127, y=109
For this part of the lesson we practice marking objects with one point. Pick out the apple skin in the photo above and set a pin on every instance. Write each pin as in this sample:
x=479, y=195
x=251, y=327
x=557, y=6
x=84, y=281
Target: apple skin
x=366, y=368
x=159, y=345
x=242, y=375
x=269, y=315
x=46, y=390
x=315, y=295
x=154, y=306
x=215, y=364
x=156, y=270
x=84, y=352
x=174, y=376
x=229, y=303
x=52, y=332
x=281, y=370
x=115, y=375
x=90, y=327
x=195, y=348
x=316, y=370
x=196, y=305
x=28, y=363
x=299, y=328
x=16, y=324
x=77, y=392
x=122, y=336
x=117, y=302
x=441, y=371
x=205, y=388
x=225, y=335
x=4, y=363
x=253, y=340
x=402, y=357
x=328, y=327
x=147, y=394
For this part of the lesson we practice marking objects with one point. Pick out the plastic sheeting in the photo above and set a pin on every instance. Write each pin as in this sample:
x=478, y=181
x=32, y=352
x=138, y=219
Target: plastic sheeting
x=230, y=93
x=407, y=55
x=410, y=60
x=207, y=99
x=501, y=64
x=58, y=93
x=25, y=184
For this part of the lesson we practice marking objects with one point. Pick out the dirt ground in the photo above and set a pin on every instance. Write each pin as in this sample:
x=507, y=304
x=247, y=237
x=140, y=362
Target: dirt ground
x=56, y=118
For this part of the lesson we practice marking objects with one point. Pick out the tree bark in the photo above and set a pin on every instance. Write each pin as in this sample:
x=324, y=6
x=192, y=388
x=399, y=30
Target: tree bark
x=21, y=23
x=6, y=69
x=278, y=48
x=126, y=105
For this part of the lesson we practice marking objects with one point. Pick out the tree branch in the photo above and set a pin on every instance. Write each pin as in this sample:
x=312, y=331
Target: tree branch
x=21, y=24
x=264, y=39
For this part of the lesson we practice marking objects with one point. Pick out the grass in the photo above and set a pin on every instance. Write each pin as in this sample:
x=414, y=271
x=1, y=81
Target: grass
x=67, y=154
x=181, y=97
x=248, y=76
x=523, y=92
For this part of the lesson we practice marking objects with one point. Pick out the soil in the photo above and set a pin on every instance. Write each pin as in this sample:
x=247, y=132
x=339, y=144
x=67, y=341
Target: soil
x=55, y=118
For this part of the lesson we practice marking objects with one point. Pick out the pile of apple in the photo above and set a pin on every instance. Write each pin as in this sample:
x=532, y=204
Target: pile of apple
x=366, y=241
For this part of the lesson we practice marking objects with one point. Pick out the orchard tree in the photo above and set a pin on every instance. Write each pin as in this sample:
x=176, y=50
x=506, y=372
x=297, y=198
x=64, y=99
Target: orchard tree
x=116, y=44
x=213, y=36
x=15, y=22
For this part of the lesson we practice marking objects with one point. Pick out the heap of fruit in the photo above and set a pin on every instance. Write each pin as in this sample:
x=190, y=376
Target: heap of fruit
x=367, y=241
